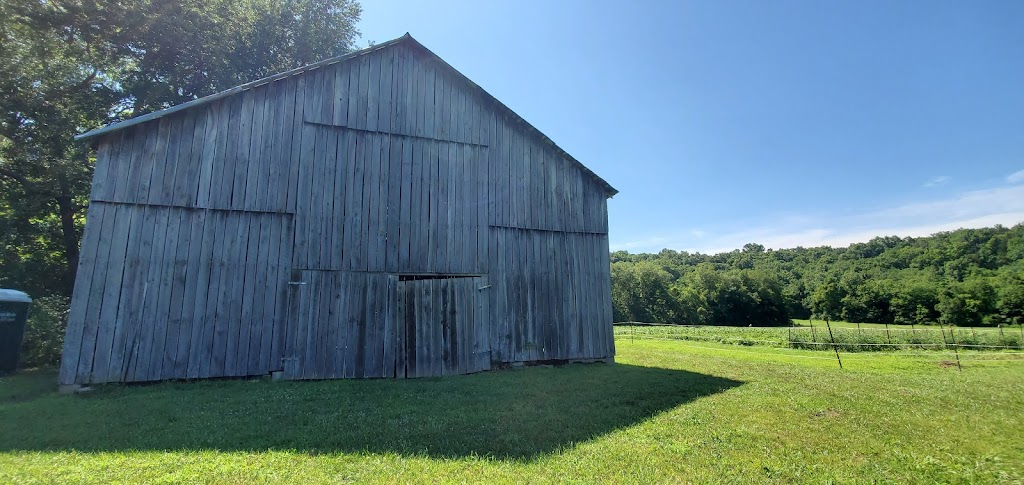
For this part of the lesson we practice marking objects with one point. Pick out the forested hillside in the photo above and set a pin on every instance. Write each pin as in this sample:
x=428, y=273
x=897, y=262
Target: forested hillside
x=964, y=277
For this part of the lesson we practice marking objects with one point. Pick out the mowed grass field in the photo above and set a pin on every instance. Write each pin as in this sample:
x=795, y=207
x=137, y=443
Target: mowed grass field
x=666, y=411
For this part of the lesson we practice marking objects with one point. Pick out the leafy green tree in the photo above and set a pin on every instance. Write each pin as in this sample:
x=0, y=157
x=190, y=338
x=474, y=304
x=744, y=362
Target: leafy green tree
x=1010, y=303
x=73, y=65
x=640, y=293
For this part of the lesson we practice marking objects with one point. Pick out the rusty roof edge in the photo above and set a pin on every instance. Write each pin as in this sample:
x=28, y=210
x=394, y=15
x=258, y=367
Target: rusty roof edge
x=235, y=90
x=611, y=191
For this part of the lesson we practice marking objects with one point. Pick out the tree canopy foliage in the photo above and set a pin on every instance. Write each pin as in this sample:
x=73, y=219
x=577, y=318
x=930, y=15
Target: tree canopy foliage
x=67, y=66
x=964, y=277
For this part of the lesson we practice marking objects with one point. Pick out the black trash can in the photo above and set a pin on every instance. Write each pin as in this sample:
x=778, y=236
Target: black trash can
x=13, y=314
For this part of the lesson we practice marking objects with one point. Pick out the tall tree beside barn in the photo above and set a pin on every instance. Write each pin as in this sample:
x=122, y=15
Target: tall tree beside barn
x=71, y=66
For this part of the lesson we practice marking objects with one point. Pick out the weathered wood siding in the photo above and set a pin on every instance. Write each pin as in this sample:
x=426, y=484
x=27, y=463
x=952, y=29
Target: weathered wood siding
x=338, y=180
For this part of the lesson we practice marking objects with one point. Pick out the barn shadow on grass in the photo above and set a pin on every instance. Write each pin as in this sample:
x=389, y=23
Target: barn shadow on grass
x=513, y=414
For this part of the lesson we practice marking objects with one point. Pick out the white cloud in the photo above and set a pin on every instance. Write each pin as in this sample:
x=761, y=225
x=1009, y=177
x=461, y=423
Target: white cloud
x=1015, y=177
x=938, y=181
x=979, y=208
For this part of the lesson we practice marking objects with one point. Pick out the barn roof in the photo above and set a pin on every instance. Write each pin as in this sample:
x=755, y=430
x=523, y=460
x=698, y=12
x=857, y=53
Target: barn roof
x=406, y=39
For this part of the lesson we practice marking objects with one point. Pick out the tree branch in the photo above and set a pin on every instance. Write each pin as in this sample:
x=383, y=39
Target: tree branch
x=17, y=178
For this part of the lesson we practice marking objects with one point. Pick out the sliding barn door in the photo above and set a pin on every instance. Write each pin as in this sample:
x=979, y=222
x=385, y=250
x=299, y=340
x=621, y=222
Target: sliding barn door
x=341, y=324
x=442, y=326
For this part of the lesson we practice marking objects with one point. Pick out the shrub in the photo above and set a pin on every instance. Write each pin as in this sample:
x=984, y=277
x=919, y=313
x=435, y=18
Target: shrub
x=44, y=332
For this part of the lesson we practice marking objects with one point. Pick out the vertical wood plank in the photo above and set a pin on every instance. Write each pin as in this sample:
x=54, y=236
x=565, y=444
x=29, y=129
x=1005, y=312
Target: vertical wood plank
x=205, y=315
x=401, y=326
x=380, y=204
x=371, y=166
x=295, y=166
x=405, y=206
x=340, y=199
x=171, y=140
x=283, y=309
x=201, y=261
x=353, y=201
x=153, y=322
x=135, y=318
x=422, y=329
x=360, y=318
x=226, y=274
x=328, y=198
x=266, y=187
x=369, y=353
x=242, y=144
x=103, y=217
x=481, y=288
x=390, y=326
x=434, y=314
x=448, y=339
x=465, y=320
x=322, y=343
x=394, y=201
x=269, y=359
x=209, y=162
x=251, y=339
x=106, y=157
x=188, y=178
x=373, y=77
x=112, y=293
x=183, y=303
x=153, y=160
x=166, y=284
x=420, y=208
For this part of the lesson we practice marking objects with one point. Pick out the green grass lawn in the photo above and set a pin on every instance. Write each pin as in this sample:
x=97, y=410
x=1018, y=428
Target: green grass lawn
x=667, y=411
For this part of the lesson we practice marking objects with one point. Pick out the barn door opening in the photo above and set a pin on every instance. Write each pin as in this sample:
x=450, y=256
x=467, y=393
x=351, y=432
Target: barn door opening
x=442, y=326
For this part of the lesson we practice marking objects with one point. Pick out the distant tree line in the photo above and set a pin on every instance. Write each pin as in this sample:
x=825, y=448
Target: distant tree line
x=968, y=277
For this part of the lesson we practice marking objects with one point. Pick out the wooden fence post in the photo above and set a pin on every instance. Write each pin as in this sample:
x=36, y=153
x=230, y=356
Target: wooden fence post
x=833, y=339
x=888, y=338
x=955, y=351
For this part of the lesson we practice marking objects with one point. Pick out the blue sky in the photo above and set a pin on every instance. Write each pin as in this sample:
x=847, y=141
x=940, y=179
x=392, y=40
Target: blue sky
x=784, y=123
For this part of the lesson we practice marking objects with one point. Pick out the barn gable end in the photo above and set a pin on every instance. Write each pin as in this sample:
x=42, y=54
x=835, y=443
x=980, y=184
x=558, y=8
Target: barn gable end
x=375, y=216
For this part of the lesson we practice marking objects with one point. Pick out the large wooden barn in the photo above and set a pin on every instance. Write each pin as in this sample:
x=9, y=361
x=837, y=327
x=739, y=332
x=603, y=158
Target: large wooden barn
x=373, y=215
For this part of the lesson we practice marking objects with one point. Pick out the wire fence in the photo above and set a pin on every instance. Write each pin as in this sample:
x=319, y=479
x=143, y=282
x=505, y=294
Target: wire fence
x=989, y=344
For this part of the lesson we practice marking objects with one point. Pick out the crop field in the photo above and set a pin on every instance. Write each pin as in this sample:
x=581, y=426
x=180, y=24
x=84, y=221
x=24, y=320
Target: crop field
x=667, y=410
x=847, y=337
